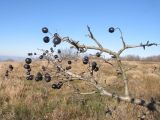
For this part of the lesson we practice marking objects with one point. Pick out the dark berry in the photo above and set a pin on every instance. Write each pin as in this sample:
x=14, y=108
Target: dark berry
x=30, y=54
x=46, y=39
x=27, y=66
x=86, y=58
x=94, y=65
x=31, y=77
x=39, y=76
x=85, y=62
x=46, y=51
x=51, y=49
x=59, y=51
x=98, y=54
x=68, y=67
x=55, y=56
x=45, y=30
x=35, y=53
x=55, y=35
x=44, y=54
x=6, y=74
x=56, y=39
x=69, y=62
x=10, y=67
x=47, y=77
x=27, y=78
x=59, y=85
x=28, y=60
x=54, y=86
x=96, y=69
x=111, y=29
x=28, y=73
x=29, y=70
x=41, y=57
x=43, y=68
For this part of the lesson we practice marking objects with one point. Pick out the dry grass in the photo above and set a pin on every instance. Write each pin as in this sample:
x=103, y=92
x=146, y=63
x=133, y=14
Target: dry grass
x=30, y=100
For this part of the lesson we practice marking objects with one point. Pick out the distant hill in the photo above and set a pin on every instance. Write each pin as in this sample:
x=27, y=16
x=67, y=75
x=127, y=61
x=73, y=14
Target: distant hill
x=11, y=58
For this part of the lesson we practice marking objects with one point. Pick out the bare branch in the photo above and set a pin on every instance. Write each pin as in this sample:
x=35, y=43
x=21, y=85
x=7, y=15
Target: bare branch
x=93, y=38
x=121, y=37
x=136, y=46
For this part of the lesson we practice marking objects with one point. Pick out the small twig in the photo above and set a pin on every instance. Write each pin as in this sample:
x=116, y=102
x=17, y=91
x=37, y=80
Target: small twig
x=93, y=38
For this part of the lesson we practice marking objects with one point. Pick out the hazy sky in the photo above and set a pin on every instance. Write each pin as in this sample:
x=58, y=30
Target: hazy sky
x=21, y=22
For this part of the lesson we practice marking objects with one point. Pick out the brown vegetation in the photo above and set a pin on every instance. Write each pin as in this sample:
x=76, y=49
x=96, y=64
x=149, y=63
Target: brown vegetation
x=31, y=100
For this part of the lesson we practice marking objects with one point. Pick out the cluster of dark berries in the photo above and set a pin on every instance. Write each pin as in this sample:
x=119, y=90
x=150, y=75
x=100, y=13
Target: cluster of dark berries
x=56, y=39
x=27, y=66
x=57, y=86
x=30, y=54
x=10, y=68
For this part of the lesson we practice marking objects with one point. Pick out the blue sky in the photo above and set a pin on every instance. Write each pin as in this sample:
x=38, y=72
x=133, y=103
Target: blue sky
x=21, y=22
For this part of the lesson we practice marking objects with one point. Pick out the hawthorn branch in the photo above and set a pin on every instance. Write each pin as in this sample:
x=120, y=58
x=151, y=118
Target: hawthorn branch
x=121, y=37
x=151, y=105
x=137, y=46
x=93, y=38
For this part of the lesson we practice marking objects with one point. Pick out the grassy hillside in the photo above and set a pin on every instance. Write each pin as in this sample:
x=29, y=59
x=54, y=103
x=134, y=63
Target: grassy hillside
x=30, y=100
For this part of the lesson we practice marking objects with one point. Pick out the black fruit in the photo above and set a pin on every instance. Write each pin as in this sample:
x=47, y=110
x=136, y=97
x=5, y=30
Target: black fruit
x=27, y=66
x=35, y=53
x=69, y=62
x=111, y=29
x=44, y=54
x=29, y=70
x=51, y=49
x=94, y=65
x=10, y=67
x=28, y=60
x=6, y=74
x=59, y=85
x=86, y=58
x=55, y=56
x=47, y=77
x=30, y=54
x=68, y=67
x=38, y=76
x=28, y=73
x=45, y=30
x=96, y=69
x=46, y=51
x=41, y=57
x=54, y=86
x=56, y=41
x=30, y=77
x=43, y=68
x=98, y=54
x=59, y=51
x=46, y=39
x=27, y=78
x=85, y=62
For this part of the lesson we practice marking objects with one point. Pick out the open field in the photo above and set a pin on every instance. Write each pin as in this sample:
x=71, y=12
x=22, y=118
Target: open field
x=30, y=100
